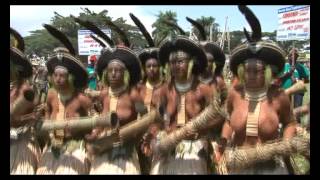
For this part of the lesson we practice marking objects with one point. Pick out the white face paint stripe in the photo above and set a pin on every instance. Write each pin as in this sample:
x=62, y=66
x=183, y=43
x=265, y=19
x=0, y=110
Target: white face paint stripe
x=117, y=62
x=62, y=68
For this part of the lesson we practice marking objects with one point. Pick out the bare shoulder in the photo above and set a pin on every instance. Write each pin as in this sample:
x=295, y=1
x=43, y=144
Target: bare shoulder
x=235, y=91
x=206, y=89
x=220, y=83
x=139, y=86
x=51, y=94
x=84, y=101
x=277, y=93
x=203, y=86
x=134, y=93
x=26, y=86
x=82, y=98
x=164, y=87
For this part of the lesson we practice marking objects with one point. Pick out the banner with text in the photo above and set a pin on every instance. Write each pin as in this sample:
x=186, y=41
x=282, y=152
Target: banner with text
x=294, y=23
x=87, y=45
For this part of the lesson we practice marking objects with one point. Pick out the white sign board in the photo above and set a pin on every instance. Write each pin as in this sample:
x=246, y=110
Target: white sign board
x=87, y=45
x=293, y=23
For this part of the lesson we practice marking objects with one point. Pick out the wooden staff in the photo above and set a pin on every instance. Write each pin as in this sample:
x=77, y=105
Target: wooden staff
x=241, y=158
x=125, y=133
x=83, y=123
x=213, y=114
x=292, y=75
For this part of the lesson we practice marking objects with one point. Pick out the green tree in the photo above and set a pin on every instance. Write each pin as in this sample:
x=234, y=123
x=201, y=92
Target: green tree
x=162, y=30
x=42, y=43
x=235, y=38
x=207, y=23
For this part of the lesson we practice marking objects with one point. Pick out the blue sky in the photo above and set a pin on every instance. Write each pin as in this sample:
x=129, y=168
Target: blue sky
x=28, y=18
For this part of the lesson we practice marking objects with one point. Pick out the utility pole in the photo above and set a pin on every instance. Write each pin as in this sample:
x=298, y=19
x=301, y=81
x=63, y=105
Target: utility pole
x=223, y=34
x=211, y=26
x=228, y=38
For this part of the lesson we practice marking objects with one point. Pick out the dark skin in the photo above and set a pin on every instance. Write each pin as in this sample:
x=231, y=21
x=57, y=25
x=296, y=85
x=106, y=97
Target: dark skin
x=274, y=110
x=125, y=108
x=77, y=106
x=209, y=90
x=152, y=70
x=194, y=99
x=208, y=72
x=16, y=92
x=217, y=83
x=18, y=89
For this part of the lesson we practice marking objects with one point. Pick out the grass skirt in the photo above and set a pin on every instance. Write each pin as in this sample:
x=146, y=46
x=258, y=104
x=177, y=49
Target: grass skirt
x=68, y=162
x=119, y=160
x=24, y=156
x=189, y=158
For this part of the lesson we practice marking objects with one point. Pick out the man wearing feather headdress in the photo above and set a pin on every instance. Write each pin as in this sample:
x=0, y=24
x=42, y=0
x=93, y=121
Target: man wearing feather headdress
x=151, y=89
x=119, y=71
x=185, y=100
x=212, y=75
x=255, y=106
x=64, y=152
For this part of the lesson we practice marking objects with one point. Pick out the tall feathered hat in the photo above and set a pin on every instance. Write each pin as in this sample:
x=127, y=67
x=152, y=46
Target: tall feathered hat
x=103, y=39
x=210, y=47
x=17, y=56
x=255, y=47
x=183, y=43
x=127, y=57
x=123, y=54
x=151, y=51
x=65, y=56
x=120, y=32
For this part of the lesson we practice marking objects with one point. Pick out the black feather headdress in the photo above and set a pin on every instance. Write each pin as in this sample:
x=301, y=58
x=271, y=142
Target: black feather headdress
x=89, y=25
x=143, y=30
x=175, y=26
x=200, y=28
x=255, y=47
x=61, y=37
x=121, y=33
x=253, y=22
x=18, y=38
x=17, y=56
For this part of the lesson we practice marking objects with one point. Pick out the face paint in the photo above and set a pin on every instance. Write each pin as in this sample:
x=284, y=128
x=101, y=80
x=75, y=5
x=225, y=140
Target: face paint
x=152, y=69
x=115, y=73
x=254, y=74
x=60, y=78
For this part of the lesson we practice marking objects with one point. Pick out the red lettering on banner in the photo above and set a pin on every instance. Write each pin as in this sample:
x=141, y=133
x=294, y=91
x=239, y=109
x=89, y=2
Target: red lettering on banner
x=300, y=26
x=89, y=41
x=295, y=20
x=290, y=14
